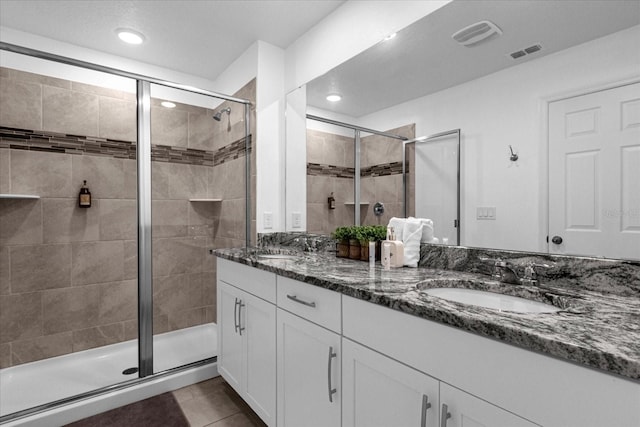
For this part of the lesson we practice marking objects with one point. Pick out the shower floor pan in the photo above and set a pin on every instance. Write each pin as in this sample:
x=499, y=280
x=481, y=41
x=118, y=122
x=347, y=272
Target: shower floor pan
x=44, y=381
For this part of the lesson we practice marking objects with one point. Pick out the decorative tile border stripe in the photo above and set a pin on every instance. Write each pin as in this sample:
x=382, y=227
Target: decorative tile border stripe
x=385, y=169
x=317, y=169
x=52, y=142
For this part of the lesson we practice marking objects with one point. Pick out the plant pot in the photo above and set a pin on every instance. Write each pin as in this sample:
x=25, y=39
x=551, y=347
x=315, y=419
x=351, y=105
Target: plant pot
x=354, y=249
x=364, y=251
x=342, y=249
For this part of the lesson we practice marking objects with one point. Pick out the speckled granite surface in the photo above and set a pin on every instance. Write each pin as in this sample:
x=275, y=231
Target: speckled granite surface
x=598, y=327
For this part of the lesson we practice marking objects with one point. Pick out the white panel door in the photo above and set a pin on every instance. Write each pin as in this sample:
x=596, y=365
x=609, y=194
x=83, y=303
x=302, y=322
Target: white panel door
x=380, y=392
x=229, y=338
x=309, y=390
x=594, y=174
x=258, y=328
x=460, y=409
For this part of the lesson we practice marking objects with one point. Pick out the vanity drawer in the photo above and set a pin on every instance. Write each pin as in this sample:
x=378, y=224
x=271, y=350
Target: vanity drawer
x=313, y=303
x=252, y=280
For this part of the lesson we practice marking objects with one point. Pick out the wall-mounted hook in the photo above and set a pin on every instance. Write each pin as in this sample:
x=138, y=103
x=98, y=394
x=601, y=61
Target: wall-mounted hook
x=514, y=156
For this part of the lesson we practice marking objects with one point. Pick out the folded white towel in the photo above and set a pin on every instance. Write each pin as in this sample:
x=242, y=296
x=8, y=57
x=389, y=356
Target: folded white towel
x=411, y=237
x=427, y=230
x=398, y=226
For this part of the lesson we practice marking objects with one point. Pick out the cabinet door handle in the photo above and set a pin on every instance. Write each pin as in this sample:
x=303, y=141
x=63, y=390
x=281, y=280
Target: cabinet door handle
x=235, y=315
x=331, y=390
x=240, y=328
x=445, y=415
x=299, y=301
x=425, y=407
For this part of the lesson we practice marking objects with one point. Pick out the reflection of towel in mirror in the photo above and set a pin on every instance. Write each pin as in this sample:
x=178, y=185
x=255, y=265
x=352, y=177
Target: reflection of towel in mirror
x=411, y=237
x=398, y=226
x=427, y=229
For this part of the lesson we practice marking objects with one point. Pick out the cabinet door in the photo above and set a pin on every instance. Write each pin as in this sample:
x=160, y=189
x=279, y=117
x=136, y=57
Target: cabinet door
x=466, y=410
x=378, y=391
x=229, y=338
x=258, y=329
x=308, y=373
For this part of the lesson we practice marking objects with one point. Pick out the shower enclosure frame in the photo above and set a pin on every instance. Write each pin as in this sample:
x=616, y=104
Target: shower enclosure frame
x=357, y=160
x=145, y=274
x=427, y=139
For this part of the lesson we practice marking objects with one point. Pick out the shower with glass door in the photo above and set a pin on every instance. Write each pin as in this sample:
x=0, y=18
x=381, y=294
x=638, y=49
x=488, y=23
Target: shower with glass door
x=111, y=199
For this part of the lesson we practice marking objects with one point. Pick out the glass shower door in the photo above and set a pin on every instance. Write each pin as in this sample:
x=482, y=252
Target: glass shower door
x=68, y=274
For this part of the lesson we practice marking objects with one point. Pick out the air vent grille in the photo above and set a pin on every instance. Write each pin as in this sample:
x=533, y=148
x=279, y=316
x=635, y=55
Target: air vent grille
x=526, y=51
x=475, y=33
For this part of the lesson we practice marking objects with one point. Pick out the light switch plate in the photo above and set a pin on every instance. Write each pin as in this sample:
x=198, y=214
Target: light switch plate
x=486, y=213
x=267, y=220
x=297, y=220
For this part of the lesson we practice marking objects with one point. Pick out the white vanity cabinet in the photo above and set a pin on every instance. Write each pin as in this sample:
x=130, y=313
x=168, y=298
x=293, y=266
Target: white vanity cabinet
x=246, y=335
x=308, y=355
x=379, y=392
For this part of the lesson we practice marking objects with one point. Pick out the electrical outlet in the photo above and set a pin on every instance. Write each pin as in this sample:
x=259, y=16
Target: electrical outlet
x=297, y=220
x=267, y=220
x=486, y=212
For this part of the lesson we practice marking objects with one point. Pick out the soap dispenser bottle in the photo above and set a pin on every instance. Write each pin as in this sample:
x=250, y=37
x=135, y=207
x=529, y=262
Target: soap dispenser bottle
x=392, y=251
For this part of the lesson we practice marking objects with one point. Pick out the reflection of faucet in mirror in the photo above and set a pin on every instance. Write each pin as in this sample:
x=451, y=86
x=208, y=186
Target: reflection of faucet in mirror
x=506, y=272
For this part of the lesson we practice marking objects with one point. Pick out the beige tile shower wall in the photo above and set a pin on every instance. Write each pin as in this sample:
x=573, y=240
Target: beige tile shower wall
x=68, y=275
x=387, y=189
x=335, y=150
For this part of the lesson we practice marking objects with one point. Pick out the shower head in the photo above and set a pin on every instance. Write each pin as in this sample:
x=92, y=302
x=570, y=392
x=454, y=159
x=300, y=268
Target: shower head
x=218, y=115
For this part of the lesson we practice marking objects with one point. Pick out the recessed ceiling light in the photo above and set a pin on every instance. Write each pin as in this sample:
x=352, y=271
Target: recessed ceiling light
x=334, y=97
x=389, y=37
x=168, y=104
x=130, y=36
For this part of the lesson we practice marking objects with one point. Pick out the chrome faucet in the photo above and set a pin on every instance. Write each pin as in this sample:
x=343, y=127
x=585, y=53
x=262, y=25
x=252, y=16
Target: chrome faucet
x=505, y=272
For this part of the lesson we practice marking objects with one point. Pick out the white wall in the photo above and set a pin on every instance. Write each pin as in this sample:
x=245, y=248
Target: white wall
x=509, y=107
x=270, y=151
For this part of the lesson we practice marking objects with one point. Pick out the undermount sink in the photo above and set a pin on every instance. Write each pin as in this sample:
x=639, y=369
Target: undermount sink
x=491, y=300
x=278, y=256
x=494, y=295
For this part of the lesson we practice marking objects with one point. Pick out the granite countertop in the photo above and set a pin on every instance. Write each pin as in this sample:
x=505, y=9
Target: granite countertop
x=593, y=329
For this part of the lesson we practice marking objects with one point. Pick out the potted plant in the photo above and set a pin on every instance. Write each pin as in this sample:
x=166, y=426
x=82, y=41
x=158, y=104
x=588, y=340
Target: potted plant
x=379, y=233
x=342, y=235
x=354, y=242
x=365, y=234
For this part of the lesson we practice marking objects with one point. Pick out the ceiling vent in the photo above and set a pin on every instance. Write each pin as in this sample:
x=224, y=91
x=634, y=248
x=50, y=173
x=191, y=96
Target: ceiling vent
x=526, y=51
x=475, y=33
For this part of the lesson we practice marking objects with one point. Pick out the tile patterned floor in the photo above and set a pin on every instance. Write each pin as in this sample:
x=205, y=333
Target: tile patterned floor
x=213, y=403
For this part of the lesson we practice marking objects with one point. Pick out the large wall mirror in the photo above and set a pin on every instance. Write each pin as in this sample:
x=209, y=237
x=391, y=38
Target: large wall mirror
x=538, y=103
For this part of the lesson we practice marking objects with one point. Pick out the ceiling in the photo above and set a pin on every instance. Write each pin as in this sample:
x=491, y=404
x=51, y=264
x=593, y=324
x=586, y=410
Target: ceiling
x=423, y=58
x=201, y=37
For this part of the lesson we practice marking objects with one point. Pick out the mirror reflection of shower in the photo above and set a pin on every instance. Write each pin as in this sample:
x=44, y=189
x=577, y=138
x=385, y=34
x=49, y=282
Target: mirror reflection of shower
x=218, y=117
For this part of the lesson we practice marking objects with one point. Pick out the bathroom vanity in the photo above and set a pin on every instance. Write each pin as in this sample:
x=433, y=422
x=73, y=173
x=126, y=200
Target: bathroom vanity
x=310, y=339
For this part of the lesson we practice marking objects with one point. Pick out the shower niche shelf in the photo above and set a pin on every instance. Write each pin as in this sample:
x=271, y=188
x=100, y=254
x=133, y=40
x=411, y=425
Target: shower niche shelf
x=18, y=196
x=205, y=200
x=353, y=203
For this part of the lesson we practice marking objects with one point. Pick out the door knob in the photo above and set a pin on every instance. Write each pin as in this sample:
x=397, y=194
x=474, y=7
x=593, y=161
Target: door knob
x=556, y=239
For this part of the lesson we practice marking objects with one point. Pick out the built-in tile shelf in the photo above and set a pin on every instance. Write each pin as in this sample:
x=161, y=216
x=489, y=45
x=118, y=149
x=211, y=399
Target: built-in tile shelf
x=353, y=203
x=18, y=196
x=205, y=200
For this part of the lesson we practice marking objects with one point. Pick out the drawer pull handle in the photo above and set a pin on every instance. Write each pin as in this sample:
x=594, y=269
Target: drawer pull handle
x=331, y=390
x=240, y=328
x=296, y=299
x=425, y=407
x=445, y=415
x=235, y=315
